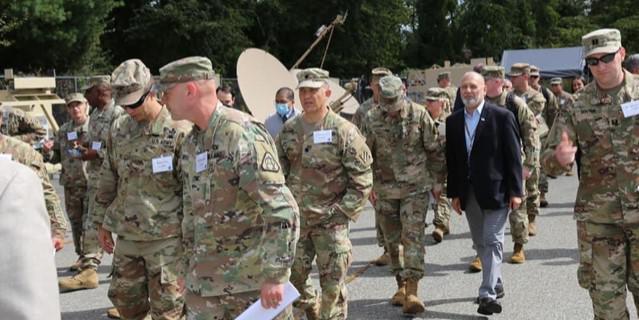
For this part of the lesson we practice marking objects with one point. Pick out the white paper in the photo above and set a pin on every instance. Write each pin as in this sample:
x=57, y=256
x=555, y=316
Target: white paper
x=323, y=136
x=162, y=164
x=630, y=109
x=96, y=145
x=257, y=312
x=6, y=156
x=201, y=162
x=72, y=135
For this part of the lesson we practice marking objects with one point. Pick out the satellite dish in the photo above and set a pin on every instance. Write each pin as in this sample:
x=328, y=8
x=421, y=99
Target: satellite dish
x=259, y=75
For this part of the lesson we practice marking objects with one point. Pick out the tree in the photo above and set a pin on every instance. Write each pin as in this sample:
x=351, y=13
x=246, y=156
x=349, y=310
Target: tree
x=433, y=40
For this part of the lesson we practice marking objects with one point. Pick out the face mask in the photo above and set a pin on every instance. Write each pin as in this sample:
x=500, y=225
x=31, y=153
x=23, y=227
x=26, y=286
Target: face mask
x=281, y=109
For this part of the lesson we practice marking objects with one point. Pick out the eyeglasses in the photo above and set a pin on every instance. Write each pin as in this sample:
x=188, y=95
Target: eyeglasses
x=606, y=58
x=138, y=103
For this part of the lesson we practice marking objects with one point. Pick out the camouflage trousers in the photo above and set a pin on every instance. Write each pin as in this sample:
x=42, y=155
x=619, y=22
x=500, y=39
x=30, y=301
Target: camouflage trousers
x=145, y=279
x=332, y=247
x=378, y=232
x=227, y=307
x=75, y=203
x=91, y=250
x=403, y=223
x=608, y=264
x=442, y=212
x=529, y=206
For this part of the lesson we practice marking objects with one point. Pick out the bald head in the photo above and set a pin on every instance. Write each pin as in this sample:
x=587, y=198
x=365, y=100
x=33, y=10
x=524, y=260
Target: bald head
x=473, y=90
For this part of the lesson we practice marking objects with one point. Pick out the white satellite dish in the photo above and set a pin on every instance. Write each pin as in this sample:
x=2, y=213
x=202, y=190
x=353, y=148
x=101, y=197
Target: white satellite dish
x=260, y=75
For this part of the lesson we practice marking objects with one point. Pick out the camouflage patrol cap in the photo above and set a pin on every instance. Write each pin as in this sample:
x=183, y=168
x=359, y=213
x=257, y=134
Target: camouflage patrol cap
x=131, y=80
x=436, y=93
x=493, y=72
x=443, y=75
x=518, y=69
x=601, y=41
x=75, y=97
x=534, y=70
x=381, y=71
x=312, y=78
x=556, y=80
x=187, y=69
x=96, y=80
x=390, y=87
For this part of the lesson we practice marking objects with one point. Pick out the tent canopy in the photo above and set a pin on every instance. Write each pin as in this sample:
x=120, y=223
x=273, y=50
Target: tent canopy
x=552, y=62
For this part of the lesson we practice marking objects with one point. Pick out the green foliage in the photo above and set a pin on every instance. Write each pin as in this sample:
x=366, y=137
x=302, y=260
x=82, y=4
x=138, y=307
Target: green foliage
x=433, y=39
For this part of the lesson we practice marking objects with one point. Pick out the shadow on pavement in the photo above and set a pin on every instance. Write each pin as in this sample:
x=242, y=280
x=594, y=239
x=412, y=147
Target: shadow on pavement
x=85, y=314
x=381, y=309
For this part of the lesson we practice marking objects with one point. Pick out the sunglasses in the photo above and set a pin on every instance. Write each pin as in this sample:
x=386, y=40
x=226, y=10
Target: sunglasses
x=138, y=103
x=606, y=58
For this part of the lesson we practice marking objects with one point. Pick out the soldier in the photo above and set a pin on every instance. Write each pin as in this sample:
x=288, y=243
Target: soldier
x=358, y=119
x=241, y=223
x=139, y=198
x=22, y=126
x=64, y=148
x=409, y=165
x=443, y=81
x=98, y=94
x=577, y=84
x=519, y=75
x=632, y=64
x=603, y=124
x=439, y=108
x=527, y=129
x=327, y=167
x=21, y=152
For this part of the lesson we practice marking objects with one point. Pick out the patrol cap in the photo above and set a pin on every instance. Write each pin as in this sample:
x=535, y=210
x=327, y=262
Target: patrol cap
x=187, y=69
x=390, y=87
x=312, y=78
x=518, y=69
x=601, y=41
x=436, y=93
x=75, y=97
x=96, y=80
x=556, y=80
x=443, y=75
x=381, y=71
x=493, y=72
x=130, y=81
x=534, y=70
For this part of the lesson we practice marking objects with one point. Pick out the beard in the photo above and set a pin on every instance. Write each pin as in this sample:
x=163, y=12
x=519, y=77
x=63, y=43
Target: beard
x=470, y=101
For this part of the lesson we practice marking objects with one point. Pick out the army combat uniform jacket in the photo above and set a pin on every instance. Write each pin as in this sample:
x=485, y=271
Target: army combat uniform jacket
x=65, y=151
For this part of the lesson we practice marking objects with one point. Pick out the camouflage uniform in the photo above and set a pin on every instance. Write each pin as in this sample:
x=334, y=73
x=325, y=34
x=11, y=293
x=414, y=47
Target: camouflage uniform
x=360, y=113
x=99, y=126
x=22, y=126
x=241, y=223
x=451, y=91
x=564, y=100
x=530, y=142
x=140, y=200
x=73, y=176
x=607, y=204
x=24, y=154
x=408, y=162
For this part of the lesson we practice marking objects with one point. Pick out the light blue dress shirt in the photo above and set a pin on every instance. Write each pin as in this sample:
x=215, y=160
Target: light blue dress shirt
x=471, y=120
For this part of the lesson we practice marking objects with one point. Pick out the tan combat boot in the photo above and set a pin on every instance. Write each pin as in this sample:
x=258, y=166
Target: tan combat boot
x=542, y=200
x=76, y=265
x=518, y=254
x=400, y=295
x=532, y=226
x=475, y=265
x=85, y=279
x=412, y=303
x=439, y=233
x=383, y=260
x=113, y=313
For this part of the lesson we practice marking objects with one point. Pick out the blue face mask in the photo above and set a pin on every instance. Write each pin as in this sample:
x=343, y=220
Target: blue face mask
x=281, y=109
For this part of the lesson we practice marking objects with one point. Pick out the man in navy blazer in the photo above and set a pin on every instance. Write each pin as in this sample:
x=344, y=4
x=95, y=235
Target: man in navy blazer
x=484, y=178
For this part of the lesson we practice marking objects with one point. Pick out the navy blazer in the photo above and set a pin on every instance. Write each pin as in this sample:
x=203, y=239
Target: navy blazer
x=494, y=168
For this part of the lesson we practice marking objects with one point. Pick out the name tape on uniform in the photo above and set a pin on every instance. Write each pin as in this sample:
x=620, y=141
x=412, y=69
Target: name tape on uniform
x=162, y=164
x=96, y=145
x=72, y=135
x=201, y=162
x=323, y=136
x=630, y=109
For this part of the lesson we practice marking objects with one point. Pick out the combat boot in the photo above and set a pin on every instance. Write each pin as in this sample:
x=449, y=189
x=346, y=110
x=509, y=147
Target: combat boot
x=532, y=226
x=85, y=279
x=475, y=265
x=113, y=313
x=542, y=200
x=518, y=254
x=400, y=295
x=439, y=233
x=412, y=303
x=383, y=260
x=75, y=267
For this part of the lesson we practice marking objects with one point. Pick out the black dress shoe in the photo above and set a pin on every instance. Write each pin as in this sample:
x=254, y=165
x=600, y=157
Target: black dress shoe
x=488, y=306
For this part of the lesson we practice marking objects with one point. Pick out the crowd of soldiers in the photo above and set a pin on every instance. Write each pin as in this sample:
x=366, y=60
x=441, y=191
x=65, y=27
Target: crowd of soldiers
x=212, y=211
